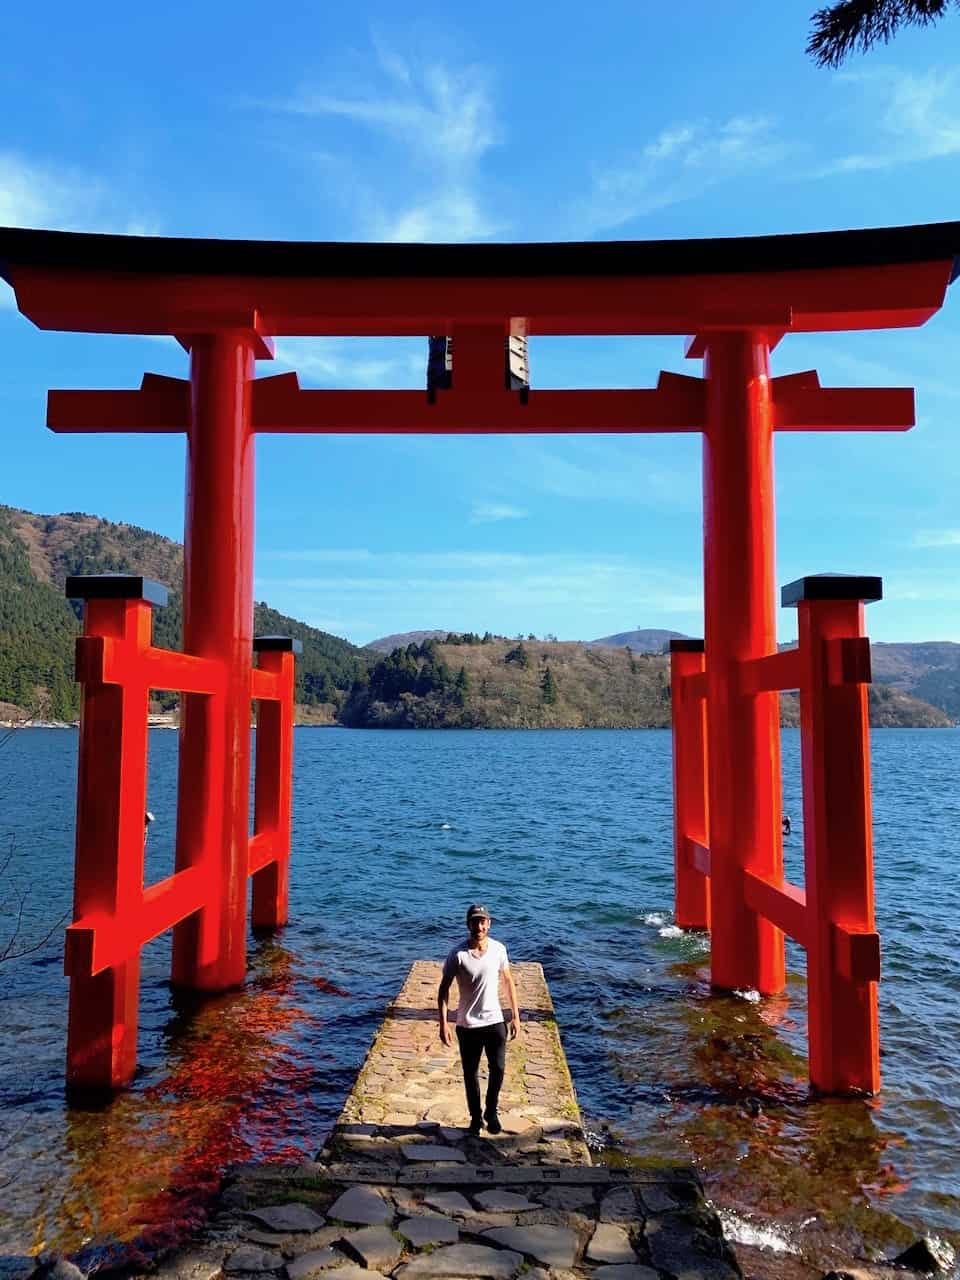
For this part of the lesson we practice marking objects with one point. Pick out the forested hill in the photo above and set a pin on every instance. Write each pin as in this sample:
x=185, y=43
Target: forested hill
x=494, y=683
x=38, y=624
x=447, y=681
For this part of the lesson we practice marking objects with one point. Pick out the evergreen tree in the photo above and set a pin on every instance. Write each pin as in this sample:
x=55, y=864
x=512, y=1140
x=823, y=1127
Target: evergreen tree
x=548, y=687
x=461, y=686
x=846, y=25
x=519, y=655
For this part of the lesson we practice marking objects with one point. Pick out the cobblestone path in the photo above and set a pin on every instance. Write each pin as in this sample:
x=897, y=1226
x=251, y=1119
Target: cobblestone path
x=402, y=1190
x=409, y=1076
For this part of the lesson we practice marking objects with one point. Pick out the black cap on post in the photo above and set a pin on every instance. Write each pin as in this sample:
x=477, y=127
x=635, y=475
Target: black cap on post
x=115, y=586
x=277, y=644
x=831, y=586
x=686, y=646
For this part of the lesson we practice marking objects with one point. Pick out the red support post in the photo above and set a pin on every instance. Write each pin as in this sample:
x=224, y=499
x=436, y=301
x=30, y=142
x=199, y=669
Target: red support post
x=111, y=800
x=743, y=728
x=274, y=782
x=209, y=949
x=843, y=953
x=689, y=719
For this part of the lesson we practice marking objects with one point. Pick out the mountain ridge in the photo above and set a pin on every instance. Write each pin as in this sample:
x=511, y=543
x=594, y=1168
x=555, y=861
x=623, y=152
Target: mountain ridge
x=38, y=625
x=429, y=678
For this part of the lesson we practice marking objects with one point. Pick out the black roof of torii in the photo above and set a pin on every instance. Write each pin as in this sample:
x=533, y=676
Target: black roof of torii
x=82, y=251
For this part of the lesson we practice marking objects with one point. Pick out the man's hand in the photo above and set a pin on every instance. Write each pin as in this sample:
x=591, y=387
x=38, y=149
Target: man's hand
x=513, y=1026
x=446, y=1039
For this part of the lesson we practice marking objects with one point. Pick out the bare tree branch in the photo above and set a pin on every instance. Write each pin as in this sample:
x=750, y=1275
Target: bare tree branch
x=13, y=900
x=860, y=24
x=13, y=905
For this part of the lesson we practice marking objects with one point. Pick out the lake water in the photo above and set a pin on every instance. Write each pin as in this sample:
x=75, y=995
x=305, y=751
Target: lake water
x=567, y=836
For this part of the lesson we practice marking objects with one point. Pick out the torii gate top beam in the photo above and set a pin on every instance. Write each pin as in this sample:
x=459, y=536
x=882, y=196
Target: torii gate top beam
x=863, y=279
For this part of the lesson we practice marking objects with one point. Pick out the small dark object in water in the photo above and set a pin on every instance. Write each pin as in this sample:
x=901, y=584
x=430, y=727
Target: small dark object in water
x=786, y=824
x=331, y=988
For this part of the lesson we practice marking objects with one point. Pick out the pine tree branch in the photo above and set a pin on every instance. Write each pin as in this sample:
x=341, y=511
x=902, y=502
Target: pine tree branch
x=859, y=24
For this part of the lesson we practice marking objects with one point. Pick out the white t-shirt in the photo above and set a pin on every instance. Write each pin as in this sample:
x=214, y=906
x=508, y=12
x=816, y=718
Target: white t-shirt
x=478, y=981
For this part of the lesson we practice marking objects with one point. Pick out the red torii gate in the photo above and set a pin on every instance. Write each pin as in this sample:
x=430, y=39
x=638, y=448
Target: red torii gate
x=224, y=300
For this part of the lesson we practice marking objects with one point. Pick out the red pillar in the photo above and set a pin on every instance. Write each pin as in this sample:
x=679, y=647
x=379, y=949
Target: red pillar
x=209, y=950
x=274, y=782
x=743, y=730
x=843, y=951
x=111, y=799
x=691, y=887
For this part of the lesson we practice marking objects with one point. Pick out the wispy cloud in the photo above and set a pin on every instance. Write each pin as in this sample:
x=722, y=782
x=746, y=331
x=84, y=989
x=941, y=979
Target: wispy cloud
x=445, y=115
x=914, y=117
x=608, y=472
x=452, y=216
x=490, y=512
x=682, y=162
x=39, y=195
x=937, y=538
x=922, y=586
x=32, y=195
x=502, y=592
x=357, y=362
x=442, y=120
x=321, y=555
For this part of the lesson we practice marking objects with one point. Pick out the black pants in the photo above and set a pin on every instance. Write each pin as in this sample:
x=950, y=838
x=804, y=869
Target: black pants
x=474, y=1042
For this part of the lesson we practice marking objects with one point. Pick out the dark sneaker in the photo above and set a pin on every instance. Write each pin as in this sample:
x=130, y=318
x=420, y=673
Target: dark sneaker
x=475, y=1127
x=493, y=1124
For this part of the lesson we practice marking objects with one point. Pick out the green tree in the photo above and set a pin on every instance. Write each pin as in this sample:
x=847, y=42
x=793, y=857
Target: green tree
x=846, y=25
x=461, y=686
x=548, y=687
x=518, y=655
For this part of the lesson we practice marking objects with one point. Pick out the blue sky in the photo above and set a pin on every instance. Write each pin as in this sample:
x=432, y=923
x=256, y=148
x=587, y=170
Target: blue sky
x=537, y=122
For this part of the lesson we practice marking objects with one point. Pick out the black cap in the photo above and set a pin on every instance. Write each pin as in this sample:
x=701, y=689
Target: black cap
x=478, y=910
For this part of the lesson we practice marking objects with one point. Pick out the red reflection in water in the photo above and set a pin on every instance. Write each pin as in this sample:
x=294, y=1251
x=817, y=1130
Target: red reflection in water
x=147, y=1167
x=324, y=984
x=722, y=1080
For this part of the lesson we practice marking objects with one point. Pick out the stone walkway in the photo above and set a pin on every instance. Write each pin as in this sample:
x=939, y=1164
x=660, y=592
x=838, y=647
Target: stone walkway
x=402, y=1190
x=409, y=1077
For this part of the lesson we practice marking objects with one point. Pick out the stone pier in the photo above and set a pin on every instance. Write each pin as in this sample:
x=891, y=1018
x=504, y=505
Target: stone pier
x=402, y=1190
x=409, y=1079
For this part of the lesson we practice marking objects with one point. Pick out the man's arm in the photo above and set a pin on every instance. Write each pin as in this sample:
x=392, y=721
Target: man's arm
x=507, y=975
x=442, y=995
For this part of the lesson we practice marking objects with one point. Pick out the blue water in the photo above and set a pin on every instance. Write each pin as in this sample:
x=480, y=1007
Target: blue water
x=567, y=836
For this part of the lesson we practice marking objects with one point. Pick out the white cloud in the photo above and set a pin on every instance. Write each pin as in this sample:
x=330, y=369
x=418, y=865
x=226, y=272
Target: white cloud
x=350, y=362
x=445, y=115
x=937, y=538
x=443, y=121
x=682, y=162
x=37, y=195
x=490, y=512
x=921, y=586
x=451, y=216
x=32, y=196
x=505, y=592
x=914, y=117
x=320, y=555
x=608, y=473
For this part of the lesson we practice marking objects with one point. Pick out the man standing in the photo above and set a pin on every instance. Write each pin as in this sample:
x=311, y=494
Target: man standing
x=477, y=964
